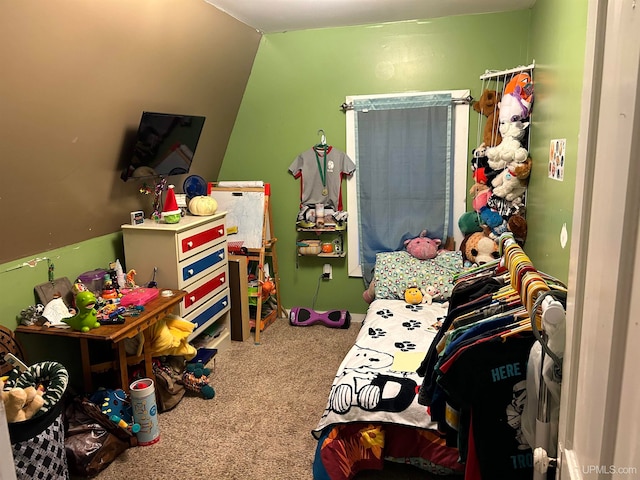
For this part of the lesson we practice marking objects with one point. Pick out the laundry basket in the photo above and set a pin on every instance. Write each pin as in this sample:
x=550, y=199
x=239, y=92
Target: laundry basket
x=38, y=443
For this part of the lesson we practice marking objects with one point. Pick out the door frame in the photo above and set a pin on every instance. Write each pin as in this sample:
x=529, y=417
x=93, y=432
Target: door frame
x=598, y=414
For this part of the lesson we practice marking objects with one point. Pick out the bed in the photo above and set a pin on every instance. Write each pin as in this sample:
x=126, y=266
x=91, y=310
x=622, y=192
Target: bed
x=372, y=413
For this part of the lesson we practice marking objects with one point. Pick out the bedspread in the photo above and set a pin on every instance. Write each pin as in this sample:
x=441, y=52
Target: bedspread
x=372, y=411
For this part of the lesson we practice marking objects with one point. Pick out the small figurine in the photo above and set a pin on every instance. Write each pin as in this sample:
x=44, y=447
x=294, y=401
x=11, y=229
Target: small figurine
x=108, y=290
x=87, y=317
x=131, y=279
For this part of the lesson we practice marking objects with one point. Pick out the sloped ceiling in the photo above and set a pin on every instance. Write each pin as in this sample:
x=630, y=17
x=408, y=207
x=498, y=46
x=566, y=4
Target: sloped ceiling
x=271, y=16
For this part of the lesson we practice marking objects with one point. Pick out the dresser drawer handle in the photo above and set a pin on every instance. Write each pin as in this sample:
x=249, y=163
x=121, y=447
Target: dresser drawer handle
x=192, y=298
x=190, y=271
x=189, y=244
x=220, y=231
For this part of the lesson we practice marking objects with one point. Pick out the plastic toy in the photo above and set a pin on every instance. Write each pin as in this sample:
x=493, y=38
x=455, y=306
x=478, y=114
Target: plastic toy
x=109, y=292
x=304, y=317
x=87, y=316
x=113, y=402
x=131, y=279
x=133, y=427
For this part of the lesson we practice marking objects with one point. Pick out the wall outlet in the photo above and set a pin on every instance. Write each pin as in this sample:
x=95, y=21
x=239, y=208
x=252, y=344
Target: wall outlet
x=327, y=271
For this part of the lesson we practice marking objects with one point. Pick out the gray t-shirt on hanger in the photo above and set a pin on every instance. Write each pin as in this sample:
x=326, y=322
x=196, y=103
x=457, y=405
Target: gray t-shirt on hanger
x=311, y=171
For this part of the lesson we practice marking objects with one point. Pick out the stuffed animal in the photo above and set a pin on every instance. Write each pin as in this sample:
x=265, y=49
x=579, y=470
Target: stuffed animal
x=517, y=225
x=507, y=185
x=87, y=317
x=510, y=149
x=480, y=194
x=512, y=181
x=423, y=247
x=479, y=249
x=488, y=106
x=413, y=295
x=469, y=222
x=429, y=293
x=196, y=379
x=513, y=108
x=495, y=225
x=522, y=170
x=481, y=171
x=369, y=294
x=21, y=404
x=517, y=99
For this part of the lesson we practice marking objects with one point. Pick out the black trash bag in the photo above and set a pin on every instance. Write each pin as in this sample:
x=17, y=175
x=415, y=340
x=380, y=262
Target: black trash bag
x=92, y=440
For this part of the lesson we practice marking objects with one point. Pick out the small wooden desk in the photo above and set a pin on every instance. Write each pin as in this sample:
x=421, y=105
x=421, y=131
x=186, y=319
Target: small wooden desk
x=155, y=310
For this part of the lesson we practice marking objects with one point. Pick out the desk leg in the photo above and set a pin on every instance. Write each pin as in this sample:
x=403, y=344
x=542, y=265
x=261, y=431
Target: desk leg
x=86, y=365
x=148, y=365
x=122, y=363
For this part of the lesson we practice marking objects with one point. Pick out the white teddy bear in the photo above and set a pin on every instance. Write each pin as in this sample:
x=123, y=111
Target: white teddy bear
x=508, y=186
x=510, y=149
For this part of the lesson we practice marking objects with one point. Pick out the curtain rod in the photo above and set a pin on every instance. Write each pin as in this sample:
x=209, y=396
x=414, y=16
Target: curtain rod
x=463, y=100
x=495, y=73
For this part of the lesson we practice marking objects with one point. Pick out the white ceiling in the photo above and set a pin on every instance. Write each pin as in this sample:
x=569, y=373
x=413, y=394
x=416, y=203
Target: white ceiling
x=271, y=16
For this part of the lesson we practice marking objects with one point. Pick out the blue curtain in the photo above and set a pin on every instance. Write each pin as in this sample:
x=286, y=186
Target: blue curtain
x=404, y=164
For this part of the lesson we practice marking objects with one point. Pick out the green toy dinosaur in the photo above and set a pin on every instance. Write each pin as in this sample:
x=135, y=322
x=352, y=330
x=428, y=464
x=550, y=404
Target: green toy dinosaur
x=87, y=317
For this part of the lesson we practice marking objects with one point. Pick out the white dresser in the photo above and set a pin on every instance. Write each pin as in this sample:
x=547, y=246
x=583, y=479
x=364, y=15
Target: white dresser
x=190, y=255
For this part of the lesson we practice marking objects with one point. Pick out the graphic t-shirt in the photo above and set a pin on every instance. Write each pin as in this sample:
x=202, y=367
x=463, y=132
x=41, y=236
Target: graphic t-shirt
x=489, y=379
x=318, y=177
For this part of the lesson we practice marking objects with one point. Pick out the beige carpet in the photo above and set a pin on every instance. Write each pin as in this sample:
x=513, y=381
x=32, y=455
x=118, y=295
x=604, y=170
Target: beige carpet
x=268, y=399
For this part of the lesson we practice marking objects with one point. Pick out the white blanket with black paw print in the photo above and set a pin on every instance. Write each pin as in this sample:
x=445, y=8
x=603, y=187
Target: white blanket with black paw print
x=376, y=381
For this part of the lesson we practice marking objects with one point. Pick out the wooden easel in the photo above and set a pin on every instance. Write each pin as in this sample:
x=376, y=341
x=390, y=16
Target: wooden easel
x=249, y=208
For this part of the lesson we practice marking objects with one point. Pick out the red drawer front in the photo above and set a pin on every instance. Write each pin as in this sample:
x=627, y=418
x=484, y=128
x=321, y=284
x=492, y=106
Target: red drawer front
x=189, y=243
x=204, y=289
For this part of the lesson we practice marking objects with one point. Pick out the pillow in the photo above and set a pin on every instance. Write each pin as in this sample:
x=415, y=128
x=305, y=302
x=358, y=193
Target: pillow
x=396, y=271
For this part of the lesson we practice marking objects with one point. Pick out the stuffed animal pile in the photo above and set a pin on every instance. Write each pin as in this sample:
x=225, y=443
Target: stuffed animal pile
x=501, y=166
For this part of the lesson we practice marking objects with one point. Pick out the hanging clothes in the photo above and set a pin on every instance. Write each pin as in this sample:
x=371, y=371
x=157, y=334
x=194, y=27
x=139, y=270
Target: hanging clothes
x=321, y=170
x=478, y=370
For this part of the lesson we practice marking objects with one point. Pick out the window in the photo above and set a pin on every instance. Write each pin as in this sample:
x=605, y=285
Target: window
x=395, y=131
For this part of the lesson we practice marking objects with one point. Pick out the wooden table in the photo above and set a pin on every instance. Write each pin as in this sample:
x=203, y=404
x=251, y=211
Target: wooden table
x=154, y=311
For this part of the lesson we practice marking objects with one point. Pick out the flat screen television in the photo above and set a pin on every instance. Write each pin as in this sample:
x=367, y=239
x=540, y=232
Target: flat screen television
x=164, y=146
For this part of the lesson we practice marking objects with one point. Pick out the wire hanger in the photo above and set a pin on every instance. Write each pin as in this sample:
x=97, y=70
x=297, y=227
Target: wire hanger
x=323, y=139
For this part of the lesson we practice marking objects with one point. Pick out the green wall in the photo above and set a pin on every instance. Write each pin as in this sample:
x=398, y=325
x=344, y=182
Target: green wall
x=16, y=284
x=300, y=79
x=557, y=44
